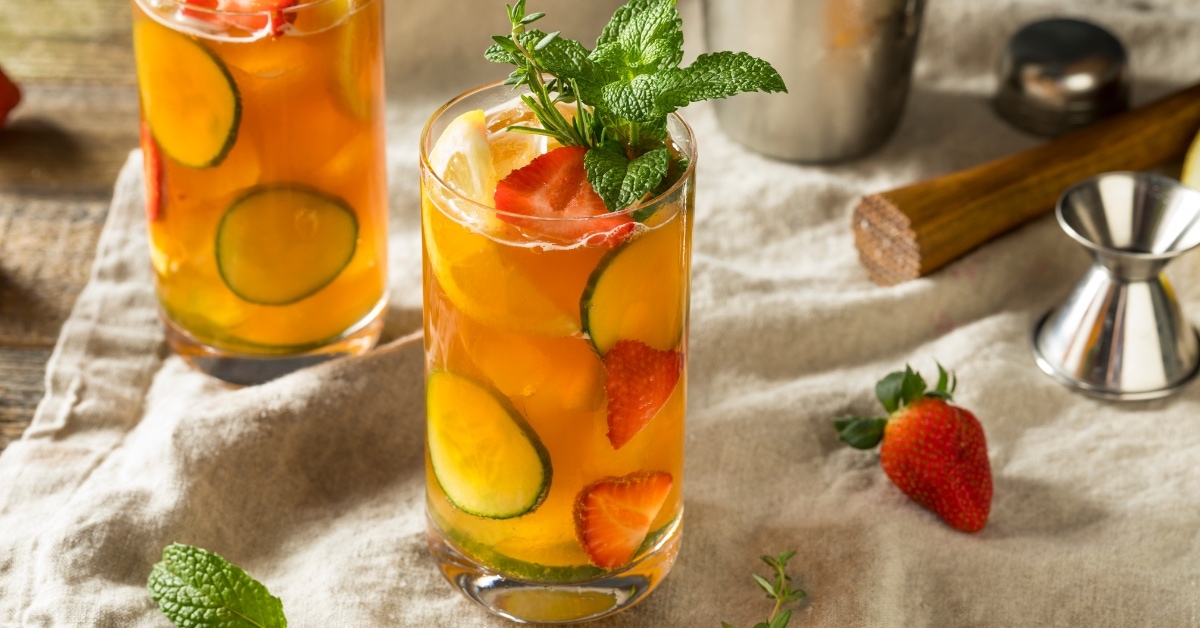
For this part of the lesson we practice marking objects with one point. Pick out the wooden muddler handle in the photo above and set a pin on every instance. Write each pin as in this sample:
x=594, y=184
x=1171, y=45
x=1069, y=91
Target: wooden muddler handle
x=912, y=231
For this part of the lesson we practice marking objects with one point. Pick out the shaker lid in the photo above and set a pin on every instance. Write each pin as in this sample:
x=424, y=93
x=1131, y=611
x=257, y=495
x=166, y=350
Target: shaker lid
x=1059, y=74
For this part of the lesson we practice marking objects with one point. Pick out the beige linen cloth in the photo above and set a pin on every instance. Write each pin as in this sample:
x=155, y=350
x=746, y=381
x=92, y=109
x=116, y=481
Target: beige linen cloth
x=313, y=482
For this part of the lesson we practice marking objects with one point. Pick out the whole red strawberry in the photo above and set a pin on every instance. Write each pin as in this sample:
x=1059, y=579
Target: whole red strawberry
x=10, y=96
x=934, y=451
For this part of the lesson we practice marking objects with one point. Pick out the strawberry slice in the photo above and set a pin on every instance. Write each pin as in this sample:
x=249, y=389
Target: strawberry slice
x=640, y=380
x=152, y=169
x=250, y=15
x=555, y=185
x=612, y=516
x=10, y=95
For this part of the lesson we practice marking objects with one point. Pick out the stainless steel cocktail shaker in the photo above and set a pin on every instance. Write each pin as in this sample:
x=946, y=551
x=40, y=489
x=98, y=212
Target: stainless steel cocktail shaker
x=847, y=65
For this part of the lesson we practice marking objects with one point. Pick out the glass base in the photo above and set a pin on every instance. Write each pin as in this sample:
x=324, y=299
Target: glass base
x=555, y=603
x=248, y=369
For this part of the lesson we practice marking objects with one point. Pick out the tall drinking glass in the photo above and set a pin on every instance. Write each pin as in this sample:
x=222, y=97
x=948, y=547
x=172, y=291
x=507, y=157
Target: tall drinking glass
x=263, y=146
x=556, y=371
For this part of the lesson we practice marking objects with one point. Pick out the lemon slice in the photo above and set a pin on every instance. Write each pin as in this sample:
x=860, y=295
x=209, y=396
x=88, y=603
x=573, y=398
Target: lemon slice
x=512, y=150
x=483, y=279
x=462, y=158
x=481, y=276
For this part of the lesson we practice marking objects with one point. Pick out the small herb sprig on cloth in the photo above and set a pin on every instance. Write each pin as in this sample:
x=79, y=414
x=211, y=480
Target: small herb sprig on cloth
x=622, y=90
x=195, y=588
x=780, y=590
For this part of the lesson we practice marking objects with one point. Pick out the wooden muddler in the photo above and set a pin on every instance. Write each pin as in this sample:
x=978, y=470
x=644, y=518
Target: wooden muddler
x=912, y=231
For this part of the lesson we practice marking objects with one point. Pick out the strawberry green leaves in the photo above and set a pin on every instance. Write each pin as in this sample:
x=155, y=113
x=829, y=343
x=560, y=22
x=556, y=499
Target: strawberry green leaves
x=901, y=388
x=624, y=89
x=894, y=391
x=860, y=432
x=199, y=589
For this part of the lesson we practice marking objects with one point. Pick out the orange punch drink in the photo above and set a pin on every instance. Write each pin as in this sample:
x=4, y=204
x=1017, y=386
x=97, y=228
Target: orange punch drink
x=556, y=367
x=263, y=147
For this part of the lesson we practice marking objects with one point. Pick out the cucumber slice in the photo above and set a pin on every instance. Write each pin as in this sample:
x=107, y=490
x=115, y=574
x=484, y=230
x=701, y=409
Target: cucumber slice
x=279, y=244
x=188, y=96
x=636, y=292
x=515, y=568
x=487, y=459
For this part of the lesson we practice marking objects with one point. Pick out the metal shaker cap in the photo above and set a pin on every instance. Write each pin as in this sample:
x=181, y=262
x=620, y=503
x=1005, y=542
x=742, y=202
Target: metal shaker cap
x=1060, y=74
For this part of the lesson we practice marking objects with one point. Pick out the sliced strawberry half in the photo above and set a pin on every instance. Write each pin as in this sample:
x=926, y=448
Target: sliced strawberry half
x=152, y=169
x=640, y=380
x=613, y=516
x=555, y=185
x=10, y=95
x=251, y=15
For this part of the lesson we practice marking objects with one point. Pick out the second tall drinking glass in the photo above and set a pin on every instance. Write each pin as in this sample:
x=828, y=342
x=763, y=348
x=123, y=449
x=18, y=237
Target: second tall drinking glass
x=556, y=376
x=263, y=141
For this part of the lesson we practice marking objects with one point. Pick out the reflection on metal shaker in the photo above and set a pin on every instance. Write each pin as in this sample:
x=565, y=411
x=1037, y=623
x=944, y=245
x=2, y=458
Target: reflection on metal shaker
x=847, y=65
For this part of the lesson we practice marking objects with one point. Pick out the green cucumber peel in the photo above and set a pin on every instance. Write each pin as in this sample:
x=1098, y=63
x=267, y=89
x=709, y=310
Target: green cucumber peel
x=538, y=572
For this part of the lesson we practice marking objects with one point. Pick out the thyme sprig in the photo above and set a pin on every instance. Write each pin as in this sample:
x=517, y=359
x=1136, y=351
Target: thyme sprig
x=779, y=590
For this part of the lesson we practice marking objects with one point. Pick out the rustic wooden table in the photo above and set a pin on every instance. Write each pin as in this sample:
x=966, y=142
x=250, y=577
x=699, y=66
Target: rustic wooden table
x=59, y=157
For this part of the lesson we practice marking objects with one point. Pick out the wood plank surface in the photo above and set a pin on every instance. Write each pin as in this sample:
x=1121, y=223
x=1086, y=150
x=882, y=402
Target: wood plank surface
x=59, y=156
x=67, y=41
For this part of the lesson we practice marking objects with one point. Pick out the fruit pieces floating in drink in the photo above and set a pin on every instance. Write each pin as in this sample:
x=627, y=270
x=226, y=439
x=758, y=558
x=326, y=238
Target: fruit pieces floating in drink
x=556, y=355
x=556, y=224
x=262, y=137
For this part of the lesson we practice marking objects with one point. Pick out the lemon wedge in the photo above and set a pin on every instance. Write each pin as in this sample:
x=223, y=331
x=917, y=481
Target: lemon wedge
x=462, y=158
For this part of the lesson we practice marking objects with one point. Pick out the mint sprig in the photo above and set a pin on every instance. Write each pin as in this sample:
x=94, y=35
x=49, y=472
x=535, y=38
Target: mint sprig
x=195, y=588
x=623, y=90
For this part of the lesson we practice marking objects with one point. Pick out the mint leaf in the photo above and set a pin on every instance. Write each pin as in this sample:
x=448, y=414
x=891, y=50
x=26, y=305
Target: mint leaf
x=634, y=99
x=199, y=589
x=717, y=75
x=643, y=36
x=648, y=97
x=621, y=182
x=568, y=58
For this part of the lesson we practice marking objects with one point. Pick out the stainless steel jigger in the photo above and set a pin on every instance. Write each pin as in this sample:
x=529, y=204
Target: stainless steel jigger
x=1121, y=333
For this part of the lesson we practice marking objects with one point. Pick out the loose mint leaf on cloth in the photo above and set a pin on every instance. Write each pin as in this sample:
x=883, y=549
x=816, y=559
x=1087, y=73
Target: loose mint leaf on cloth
x=621, y=182
x=199, y=589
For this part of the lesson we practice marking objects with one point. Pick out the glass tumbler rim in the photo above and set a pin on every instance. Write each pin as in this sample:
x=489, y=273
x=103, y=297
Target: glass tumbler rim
x=302, y=5
x=427, y=168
